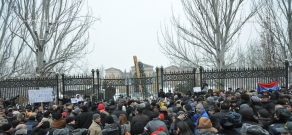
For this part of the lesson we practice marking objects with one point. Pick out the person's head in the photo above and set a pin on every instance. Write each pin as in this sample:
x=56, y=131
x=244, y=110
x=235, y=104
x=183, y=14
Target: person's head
x=55, y=107
x=245, y=97
x=211, y=110
x=109, y=120
x=265, y=98
x=45, y=125
x=183, y=128
x=199, y=108
x=289, y=106
x=7, y=128
x=77, y=96
x=224, y=106
x=123, y=119
x=70, y=120
x=263, y=113
x=96, y=118
x=14, y=123
x=32, y=118
x=139, y=110
x=21, y=129
x=282, y=114
x=286, y=129
x=176, y=91
x=169, y=91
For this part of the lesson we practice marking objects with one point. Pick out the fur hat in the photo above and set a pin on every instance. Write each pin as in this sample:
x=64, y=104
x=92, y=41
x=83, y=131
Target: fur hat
x=205, y=132
x=235, y=116
x=210, y=99
x=227, y=122
x=163, y=108
x=248, y=129
x=187, y=107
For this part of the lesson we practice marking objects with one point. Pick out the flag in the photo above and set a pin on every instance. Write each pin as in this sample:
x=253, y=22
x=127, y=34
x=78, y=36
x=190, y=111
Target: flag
x=268, y=86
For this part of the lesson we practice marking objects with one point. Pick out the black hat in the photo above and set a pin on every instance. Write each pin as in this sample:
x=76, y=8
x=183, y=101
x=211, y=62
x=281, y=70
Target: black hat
x=6, y=127
x=109, y=119
x=199, y=99
x=70, y=119
x=227, y=122
x=57, y=116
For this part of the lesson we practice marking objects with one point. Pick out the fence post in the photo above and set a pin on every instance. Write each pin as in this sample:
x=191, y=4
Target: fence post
x=194, y=72
x=161, y=75
x=287, y=72
x=97, y=76
x=201, y=76
x=157, y=81
x=63, y=84
x=57, y=79
x=92, y=71
x=127, y=87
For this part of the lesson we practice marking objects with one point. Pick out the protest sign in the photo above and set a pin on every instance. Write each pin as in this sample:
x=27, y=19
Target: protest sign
x=197, y=89
x=42, y=95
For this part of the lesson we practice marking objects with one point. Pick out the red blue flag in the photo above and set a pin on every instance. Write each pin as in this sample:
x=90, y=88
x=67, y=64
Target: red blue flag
x=268, y=86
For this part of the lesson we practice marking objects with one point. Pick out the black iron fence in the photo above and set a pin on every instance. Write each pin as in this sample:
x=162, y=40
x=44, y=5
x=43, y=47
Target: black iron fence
x=97, y=87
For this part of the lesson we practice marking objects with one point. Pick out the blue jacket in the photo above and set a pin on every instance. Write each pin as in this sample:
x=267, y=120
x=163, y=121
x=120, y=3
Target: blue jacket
x=196, y=117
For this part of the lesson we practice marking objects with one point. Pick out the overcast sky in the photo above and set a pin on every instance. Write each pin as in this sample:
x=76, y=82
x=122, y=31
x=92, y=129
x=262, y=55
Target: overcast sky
x=130, y=27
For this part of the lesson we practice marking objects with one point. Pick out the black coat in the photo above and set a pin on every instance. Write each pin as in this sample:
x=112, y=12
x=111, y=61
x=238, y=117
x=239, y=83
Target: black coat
x=161, y=94
x=269, y=106
x=228, y=132
x=148, y=113
x=84, y=119
x=119, y=112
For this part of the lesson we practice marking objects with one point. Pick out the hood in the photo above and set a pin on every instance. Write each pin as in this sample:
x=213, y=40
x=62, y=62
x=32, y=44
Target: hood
x=205, y=123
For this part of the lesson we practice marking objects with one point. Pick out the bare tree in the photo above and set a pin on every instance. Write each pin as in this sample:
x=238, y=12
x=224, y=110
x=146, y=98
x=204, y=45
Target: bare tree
x=211, y=33
x=13, y=61
x=276, y=18
x=58, y=31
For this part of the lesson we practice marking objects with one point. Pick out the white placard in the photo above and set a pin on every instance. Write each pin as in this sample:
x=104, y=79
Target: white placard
x=73, y=100
x=42, y=95
x=197, y=89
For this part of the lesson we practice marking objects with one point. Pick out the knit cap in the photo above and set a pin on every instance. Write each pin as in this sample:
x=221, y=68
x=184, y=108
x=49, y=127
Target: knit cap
x=100, y=107
x=200, y=106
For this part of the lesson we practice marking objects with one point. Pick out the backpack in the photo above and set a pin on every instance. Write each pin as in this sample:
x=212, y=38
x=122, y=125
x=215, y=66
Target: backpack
x=126, y=131
x=80, y=131
x=111, y=129
x=159, y=131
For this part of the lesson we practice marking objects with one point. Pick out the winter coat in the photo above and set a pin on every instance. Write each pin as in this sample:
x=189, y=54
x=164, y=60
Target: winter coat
x=154, y=124
x=119, y=112
x=139, y=117
x=61, y=123
x=125, y=127
x=84, y=119
x=265, y=122
x=196, y=117
x=215, y=118
x=95, y=128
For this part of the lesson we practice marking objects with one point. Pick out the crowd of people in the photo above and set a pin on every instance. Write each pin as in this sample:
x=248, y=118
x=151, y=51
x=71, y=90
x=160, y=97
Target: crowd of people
x=225, y=112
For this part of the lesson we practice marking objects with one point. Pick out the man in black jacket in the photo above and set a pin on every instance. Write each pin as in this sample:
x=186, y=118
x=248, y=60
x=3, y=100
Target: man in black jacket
x=119, y=111
x=84, y=119
x=161, y=94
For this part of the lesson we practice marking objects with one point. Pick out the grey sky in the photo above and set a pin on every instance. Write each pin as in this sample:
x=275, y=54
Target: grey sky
x=130, y=27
